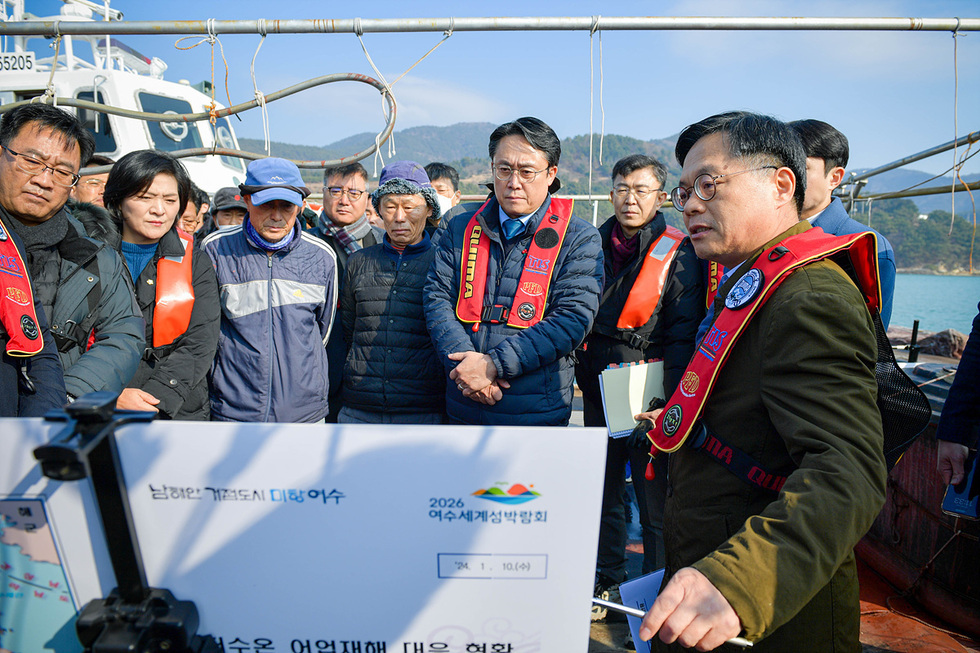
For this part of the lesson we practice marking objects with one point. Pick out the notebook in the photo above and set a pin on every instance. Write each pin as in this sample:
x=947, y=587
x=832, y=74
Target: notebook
x=626, y=391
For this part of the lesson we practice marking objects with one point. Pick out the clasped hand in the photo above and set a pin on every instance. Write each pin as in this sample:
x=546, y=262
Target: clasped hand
x=476, y=377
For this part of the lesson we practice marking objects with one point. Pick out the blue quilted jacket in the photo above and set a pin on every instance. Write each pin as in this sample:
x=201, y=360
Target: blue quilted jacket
x=276, y=316
x=537, y=361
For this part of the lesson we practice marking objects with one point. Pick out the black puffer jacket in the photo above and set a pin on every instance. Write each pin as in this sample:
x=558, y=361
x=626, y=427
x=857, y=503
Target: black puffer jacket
x=392, y=366
x=176, y=374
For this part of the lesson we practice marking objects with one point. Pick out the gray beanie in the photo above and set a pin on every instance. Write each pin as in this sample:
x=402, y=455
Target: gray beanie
x=406, y=178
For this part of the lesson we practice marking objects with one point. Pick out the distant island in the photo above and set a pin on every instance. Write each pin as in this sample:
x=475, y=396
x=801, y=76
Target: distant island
x=925, y=238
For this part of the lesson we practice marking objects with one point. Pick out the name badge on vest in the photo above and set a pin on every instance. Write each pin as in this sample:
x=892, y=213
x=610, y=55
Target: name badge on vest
x=745, y=290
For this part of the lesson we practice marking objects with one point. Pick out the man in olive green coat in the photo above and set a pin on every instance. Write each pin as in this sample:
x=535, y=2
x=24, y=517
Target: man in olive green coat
x=797, y=393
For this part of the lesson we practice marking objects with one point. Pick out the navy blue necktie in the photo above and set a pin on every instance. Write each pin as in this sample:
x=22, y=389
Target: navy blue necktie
x=512, y=227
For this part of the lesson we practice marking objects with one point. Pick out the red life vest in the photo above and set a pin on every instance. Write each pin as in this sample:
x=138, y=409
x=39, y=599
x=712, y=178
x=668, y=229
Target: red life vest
x=648, y=288
x=532, y=288
x=17, y=312
x=743, y=302
x=175, y=295
x=715, y=272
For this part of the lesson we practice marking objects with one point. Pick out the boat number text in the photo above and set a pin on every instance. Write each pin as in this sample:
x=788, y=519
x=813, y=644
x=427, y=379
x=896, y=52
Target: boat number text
x=17, y=61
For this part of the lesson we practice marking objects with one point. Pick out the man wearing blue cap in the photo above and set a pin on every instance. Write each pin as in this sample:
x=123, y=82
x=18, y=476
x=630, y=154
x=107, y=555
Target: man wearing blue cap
x=278, y=299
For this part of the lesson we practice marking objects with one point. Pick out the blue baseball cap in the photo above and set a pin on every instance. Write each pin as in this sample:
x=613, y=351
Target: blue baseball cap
x=274, y=179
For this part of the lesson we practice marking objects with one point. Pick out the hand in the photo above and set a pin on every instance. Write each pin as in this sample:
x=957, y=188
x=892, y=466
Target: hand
x=639, y=439
x=691, y=611
x=951, y=462
x=136, y=399
x=490, y=394
x=474, y=372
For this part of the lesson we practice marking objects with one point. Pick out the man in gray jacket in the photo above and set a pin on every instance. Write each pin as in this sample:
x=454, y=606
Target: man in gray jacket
x=80, y=282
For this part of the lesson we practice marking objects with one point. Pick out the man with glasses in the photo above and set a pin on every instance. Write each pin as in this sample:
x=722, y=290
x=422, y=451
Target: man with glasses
x=81, y=282
x=652, y=302
x=345, y=227
x=514, y=289
x=783, y=471
x=90, y=188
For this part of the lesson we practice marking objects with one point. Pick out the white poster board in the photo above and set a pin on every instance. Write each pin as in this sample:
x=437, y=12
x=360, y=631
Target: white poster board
x=359, y=538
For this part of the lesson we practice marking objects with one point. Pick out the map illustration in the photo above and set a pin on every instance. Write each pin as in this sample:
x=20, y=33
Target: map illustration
x=37, y=610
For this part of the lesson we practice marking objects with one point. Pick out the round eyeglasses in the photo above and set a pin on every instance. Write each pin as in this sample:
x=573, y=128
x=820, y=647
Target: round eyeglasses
x=705, y=186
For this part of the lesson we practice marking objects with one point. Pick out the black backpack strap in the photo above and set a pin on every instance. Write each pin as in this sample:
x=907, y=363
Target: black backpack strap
x=76, y=334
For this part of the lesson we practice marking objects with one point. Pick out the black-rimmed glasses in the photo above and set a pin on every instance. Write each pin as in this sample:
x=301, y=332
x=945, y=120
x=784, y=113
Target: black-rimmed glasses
x=705, y=186
x=32, y=166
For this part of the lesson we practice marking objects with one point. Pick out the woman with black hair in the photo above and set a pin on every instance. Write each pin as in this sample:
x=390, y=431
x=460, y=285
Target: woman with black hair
x=174, y=282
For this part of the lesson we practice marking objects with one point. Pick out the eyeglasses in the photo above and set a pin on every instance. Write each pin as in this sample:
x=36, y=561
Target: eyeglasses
x=94, y=182
x=32, y=166
x=353, y=194
x=526, y=175
x=705, y=186
x=622, y=192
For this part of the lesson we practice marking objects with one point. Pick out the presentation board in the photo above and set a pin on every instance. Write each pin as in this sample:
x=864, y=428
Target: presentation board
x=362, y=538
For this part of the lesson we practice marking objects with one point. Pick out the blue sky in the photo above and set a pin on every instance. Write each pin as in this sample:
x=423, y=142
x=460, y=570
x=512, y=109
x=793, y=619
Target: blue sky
x=891, y=93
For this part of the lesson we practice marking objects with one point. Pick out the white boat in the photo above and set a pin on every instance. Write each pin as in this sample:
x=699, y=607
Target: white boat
x=104, y=70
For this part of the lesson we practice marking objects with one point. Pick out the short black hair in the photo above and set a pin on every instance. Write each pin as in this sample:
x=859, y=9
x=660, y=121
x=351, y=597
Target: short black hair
x=98, y=160
x=633, y=162
x=194, y=197
x=135, y=172
x=822, y=141
x=344, y=171
x=761, y=139
x=436, y=170
x=45, y=115
x=202, y=199
x=534, y=131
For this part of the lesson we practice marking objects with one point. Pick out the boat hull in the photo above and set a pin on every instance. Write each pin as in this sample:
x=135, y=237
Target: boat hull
x=918, y=548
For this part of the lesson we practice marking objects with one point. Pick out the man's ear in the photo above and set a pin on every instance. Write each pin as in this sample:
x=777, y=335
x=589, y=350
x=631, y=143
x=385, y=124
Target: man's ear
x=836, y=177
x=785, y=185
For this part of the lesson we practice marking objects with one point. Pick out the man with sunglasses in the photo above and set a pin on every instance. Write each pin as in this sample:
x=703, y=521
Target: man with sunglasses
x=514, y=289
x=651, y=305
x=343, y=224
x=95, y=321
x=783, y=471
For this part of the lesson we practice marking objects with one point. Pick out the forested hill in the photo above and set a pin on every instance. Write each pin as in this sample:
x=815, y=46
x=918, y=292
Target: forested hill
x=921, y=243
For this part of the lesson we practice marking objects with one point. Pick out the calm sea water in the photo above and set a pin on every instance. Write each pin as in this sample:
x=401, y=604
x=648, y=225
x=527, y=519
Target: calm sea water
x=937, y=302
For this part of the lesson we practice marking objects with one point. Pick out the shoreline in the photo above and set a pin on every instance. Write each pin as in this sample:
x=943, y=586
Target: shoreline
x=935, y=273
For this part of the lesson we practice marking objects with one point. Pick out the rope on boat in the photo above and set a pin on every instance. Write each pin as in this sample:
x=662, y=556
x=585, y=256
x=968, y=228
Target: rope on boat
x=238, y=108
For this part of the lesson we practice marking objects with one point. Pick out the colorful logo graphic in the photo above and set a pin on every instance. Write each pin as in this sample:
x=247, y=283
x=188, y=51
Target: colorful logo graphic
x=672, y=420
x=690, y=383
x=516, y=494
x=744, y=290
x=525, y=311
x=533, y=289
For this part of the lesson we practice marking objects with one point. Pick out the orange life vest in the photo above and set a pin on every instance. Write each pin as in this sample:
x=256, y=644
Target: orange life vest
x=17, y=312
x=532, y=288
x=648, y=288
x=175, y=295
x=742, y=303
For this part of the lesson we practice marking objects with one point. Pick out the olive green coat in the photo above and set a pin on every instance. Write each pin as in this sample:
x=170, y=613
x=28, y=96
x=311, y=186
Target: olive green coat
x=797, y=393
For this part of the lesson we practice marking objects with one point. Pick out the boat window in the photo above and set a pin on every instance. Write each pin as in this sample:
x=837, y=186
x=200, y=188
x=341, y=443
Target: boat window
x=224, y=138
x=170, y=136
x=97, y=123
